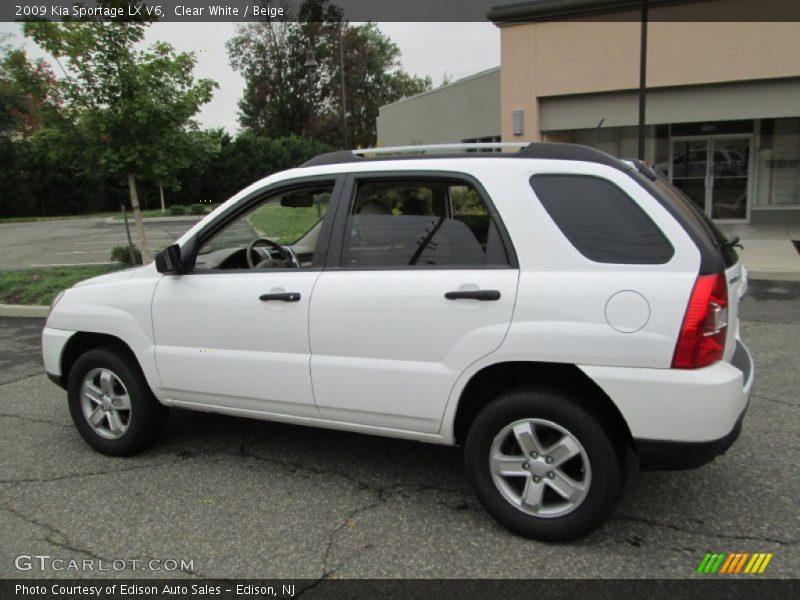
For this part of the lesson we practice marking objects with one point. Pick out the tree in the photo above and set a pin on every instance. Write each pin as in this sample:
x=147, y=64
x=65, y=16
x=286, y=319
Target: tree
x=129, y=107
x=249, y=157
x=27, y=100
x=283, y=98
x=176, y=154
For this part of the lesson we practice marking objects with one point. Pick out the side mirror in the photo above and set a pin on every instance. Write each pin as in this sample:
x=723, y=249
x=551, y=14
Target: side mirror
x=169, y=260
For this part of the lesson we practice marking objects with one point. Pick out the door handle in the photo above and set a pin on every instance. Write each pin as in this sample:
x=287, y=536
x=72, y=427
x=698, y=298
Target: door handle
x=281, y=297
x=484, y=295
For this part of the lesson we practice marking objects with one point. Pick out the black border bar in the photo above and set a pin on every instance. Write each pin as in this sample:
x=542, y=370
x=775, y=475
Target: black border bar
x=502, y=13
x=702, y=588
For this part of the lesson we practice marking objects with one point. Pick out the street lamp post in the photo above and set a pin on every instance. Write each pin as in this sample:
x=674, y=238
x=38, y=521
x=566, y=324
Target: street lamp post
x=341, y=72
x=642, y=79
x=310, y=65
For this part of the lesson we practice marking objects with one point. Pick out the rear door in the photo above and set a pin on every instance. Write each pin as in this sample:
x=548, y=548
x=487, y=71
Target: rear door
x=420, y=283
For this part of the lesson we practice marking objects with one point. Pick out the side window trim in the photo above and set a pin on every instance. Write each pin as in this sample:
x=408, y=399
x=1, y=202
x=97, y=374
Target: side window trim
x=247, y=203
x=346, y=199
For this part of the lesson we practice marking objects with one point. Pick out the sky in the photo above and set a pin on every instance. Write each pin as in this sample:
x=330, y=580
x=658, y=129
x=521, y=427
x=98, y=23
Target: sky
x=457, y=49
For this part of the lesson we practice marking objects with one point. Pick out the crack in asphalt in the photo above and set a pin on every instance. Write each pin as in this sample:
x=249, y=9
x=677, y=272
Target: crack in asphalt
x=70, y=546
x=348, y=521
x=681, y=529
x=89, y=473
x=40, y=373
x=32, y=420
x=51, y=533
x=784, y=402
x=384, y=495
x=293, y=466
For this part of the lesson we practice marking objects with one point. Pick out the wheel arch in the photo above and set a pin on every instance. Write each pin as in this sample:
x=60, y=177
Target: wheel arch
x=484, y=385
x=83, y=341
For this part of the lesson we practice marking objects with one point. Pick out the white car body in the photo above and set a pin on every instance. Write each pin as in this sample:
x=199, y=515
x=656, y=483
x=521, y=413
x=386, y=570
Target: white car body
x=335, y=358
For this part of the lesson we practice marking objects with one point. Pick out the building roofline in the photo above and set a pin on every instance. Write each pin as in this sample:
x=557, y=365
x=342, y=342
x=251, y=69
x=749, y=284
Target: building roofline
x=440, y=88
x=553, y=10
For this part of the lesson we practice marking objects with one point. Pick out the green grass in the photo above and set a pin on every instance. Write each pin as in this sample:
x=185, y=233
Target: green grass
x=40, y=286
x=281, y=224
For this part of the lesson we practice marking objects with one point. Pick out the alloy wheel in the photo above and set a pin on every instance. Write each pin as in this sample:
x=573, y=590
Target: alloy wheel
x=540, y=468
x=105, y=403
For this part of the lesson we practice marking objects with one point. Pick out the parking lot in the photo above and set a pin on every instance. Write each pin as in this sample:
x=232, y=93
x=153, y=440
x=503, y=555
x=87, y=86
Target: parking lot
x=79, y=241
x=245, y=499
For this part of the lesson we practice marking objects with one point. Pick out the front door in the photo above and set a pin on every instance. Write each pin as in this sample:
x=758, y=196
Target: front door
x=423, y=286
x=233, y=333
x=715, y=173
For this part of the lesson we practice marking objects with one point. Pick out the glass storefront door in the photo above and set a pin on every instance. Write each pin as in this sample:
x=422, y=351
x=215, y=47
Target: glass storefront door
x=689, y=169
x=715, y=173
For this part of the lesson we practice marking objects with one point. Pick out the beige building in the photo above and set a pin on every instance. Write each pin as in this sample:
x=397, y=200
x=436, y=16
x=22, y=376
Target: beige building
x=723, y=98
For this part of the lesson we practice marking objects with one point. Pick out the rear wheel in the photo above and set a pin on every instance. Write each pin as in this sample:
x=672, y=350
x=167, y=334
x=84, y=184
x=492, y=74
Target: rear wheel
x=111, y=404
x=542, y=465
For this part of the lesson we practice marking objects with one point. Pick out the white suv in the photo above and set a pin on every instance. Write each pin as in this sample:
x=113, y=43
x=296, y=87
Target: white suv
x=549, y=310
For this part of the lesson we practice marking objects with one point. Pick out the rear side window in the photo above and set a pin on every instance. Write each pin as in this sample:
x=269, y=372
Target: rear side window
x=601, y=221
x=418, y=224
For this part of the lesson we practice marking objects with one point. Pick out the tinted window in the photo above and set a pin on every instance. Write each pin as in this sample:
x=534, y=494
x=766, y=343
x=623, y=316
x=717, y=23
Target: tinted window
x=600, y=220
x=420, y=224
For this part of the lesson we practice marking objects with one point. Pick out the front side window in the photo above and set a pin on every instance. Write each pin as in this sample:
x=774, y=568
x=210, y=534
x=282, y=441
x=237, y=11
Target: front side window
x=421, y=224
x=280, y=231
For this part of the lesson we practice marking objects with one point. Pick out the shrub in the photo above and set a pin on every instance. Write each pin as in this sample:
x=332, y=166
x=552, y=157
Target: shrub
x=178, y=210
x=122, y=254
x=197, y=209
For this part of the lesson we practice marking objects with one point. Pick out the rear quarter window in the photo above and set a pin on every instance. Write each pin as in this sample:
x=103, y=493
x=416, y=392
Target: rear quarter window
x=600, y=220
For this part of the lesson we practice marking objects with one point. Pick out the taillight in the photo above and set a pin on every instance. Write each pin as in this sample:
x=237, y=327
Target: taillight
x=702, y=337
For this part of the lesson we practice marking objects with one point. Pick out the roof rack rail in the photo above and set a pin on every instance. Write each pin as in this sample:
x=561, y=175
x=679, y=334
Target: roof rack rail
x=440, y=148
x=542, y=150
x=346, y=156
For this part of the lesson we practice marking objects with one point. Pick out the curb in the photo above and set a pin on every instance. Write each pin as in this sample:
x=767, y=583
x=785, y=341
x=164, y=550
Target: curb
x=164, y=219
x=774, y=275
x=30, y=311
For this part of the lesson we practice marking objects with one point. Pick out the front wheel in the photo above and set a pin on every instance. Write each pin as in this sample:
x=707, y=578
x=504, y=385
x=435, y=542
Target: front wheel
x=542, y=465
x=111, y=404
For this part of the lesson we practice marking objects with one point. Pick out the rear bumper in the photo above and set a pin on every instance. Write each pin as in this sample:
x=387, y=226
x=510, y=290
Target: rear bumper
x=656, y=455
x=681, y=419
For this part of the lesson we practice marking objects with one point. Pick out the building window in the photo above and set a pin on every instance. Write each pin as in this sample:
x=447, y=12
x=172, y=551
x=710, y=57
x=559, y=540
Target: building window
x=495, y=139
x=779, y=163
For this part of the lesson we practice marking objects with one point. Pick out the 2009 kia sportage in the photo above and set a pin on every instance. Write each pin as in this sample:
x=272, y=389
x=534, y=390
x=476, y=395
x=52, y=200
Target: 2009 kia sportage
x=549, y=310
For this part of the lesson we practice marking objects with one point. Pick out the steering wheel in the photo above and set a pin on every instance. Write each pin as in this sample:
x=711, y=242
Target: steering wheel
x=285, y=255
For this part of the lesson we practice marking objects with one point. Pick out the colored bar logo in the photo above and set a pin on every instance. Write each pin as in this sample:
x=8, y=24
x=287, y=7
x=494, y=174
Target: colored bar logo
x=734, y=563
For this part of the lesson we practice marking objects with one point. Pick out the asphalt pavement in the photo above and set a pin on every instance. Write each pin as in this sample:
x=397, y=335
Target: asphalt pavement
x=79, y=241
x=242, y=498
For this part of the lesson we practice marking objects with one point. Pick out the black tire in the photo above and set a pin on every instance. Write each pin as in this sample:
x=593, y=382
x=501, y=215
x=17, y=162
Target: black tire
x=144, y=421
x=604, y=459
